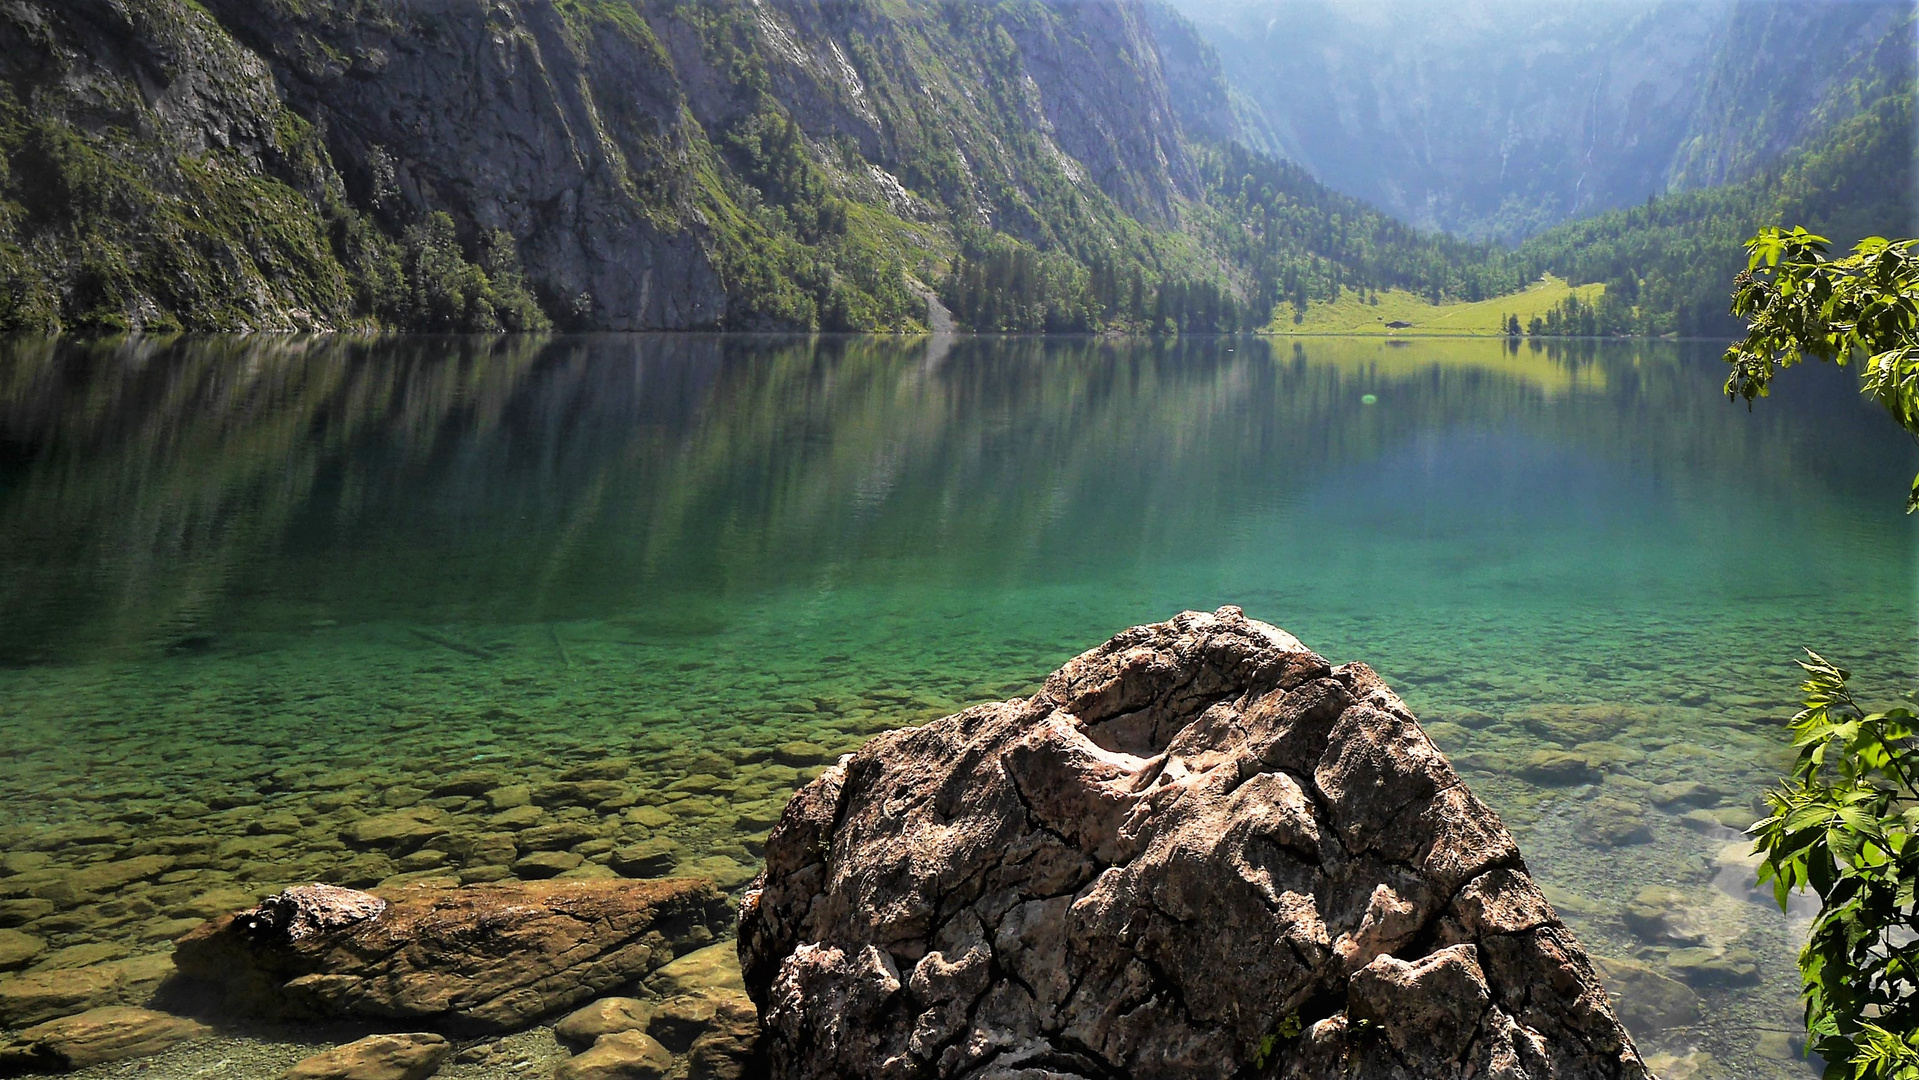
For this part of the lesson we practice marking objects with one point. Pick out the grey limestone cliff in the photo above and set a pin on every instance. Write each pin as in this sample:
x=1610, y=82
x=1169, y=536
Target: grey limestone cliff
x=652, y=164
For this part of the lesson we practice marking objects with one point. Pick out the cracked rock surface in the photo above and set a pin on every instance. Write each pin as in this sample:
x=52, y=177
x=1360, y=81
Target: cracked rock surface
x=479, y=958
x=1199, y=850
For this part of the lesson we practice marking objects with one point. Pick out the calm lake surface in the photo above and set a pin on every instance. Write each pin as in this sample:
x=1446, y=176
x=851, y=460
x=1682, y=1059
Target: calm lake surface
x=573, y=594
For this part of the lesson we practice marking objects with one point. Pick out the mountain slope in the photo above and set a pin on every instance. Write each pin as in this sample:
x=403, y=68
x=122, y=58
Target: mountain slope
x=1497, y=120
x=481, y=165
x=1783, y=75
x=649, y=164
x=148, y=169
x=1668, y=265
x=659, y=165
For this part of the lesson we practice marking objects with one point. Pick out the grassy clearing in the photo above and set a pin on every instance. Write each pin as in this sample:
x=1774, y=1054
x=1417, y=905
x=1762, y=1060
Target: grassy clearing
x=1352, y=315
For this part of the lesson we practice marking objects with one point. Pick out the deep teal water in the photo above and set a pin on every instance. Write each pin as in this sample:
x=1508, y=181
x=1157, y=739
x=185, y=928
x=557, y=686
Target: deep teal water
x=256, y=589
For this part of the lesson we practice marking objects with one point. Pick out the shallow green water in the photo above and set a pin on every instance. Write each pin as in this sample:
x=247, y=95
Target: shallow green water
x=256, y=591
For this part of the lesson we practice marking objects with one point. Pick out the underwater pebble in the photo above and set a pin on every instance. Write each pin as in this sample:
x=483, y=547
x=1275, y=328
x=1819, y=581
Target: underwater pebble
x=546, y=864
x=648, y=858
x=1647, y=1000
x=621, y=1055
x=518, y=817
x=605, y=1016
x=17, y=948
x=412, y=1056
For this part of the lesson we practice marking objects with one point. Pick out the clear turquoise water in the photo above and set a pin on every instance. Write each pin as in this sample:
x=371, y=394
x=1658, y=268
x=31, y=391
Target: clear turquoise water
x=255, y=590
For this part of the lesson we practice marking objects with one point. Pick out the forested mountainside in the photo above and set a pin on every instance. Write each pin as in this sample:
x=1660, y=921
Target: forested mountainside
x=458, y=165
x=1783, y=76
x=1667, y=264
x=1498, y=120
x=634, y=164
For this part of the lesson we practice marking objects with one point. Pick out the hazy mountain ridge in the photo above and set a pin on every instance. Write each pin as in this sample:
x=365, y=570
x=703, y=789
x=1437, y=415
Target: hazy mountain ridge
x=1784, y=75
x=1498, y=120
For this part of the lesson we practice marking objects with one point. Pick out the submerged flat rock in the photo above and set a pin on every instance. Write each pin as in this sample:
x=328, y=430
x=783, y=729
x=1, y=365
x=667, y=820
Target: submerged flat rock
x=1199, y=850
x=411, y=1056
x=31, y=997
x=477, y=958
x=94, y=1037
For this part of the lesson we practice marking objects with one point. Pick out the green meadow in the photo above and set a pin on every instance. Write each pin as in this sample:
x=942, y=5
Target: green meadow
x=1369, y=313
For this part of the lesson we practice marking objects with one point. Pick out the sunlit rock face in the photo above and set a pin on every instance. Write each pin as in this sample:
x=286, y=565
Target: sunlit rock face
x=1199, y=850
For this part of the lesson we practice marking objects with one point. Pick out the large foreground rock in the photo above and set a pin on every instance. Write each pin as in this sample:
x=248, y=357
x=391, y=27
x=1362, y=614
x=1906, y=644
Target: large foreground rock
x=477, y=958
x=1199, y=851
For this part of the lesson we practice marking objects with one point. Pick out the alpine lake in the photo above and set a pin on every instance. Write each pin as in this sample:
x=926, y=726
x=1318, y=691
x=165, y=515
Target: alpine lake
x=266, y=601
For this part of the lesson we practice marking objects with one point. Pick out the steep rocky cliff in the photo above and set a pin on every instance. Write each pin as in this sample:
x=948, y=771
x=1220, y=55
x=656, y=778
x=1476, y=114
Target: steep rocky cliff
x=651, y=164
x=569, y=135
x=152, y=176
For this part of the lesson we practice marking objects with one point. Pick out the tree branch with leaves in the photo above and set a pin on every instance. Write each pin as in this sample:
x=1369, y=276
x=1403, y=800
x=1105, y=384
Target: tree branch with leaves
x=1799, y=303
x=1845, y=825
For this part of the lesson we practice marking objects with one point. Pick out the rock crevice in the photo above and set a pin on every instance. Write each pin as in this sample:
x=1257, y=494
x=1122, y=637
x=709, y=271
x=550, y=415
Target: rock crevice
x=1200, y=849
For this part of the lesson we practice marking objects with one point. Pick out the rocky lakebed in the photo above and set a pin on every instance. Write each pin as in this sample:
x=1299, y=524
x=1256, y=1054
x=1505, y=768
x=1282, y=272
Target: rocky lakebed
x=1198, y=849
